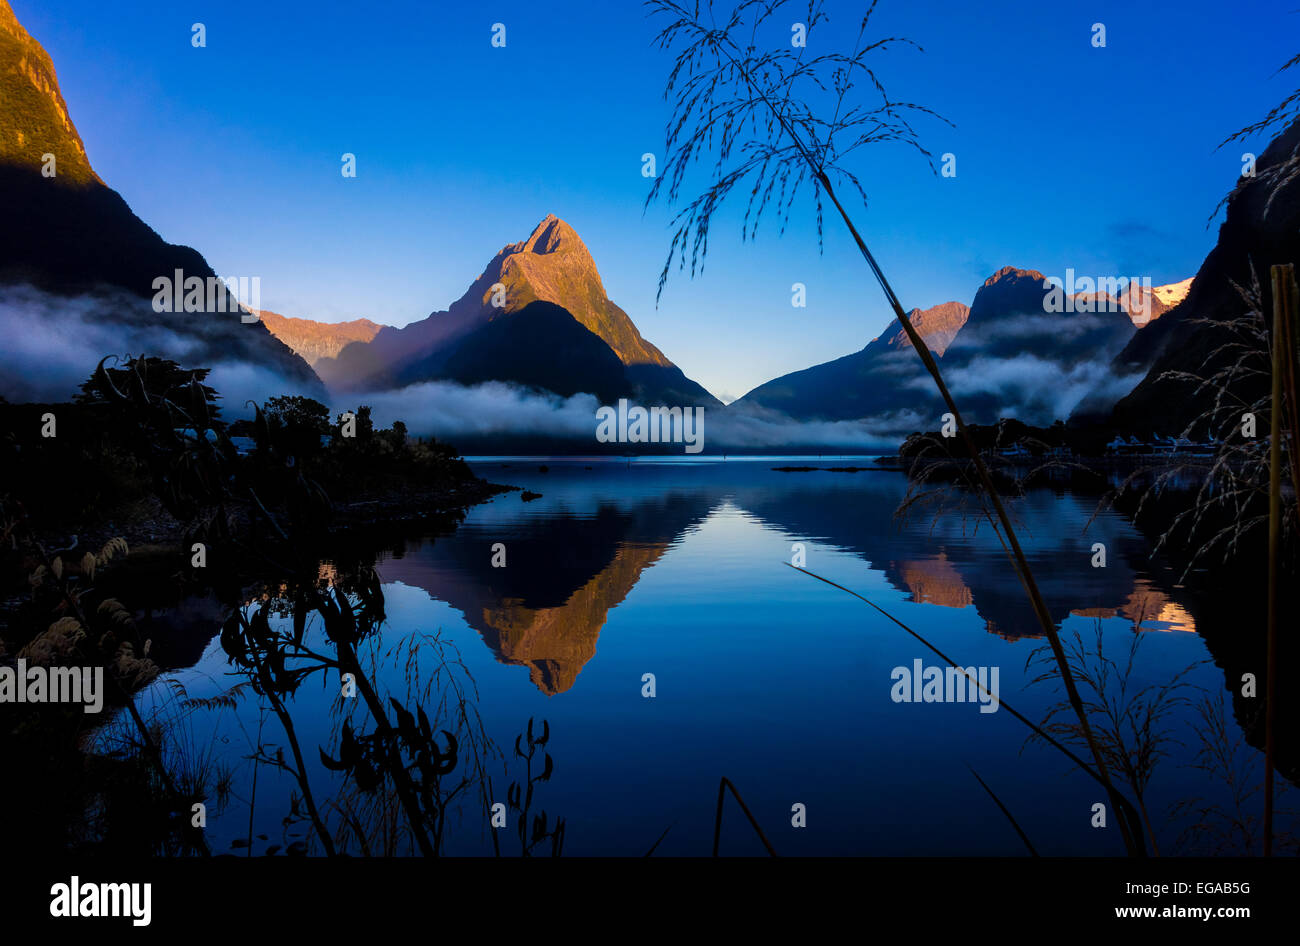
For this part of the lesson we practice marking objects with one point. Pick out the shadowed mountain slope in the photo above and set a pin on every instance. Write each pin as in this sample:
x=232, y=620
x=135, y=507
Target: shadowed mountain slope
x=68, y=234
x=1005, y=356
x=551, y=266
x=1262, y=228
x=867, y=383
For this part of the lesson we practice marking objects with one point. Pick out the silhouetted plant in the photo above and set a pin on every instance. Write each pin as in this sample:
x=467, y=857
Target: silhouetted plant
x=1284, y=113
x=1131, y=819
x=167, y=417
x=375, y=818
x=1231, y=826
x=766, y=111
x=1281, y=115
x=765, y=114
x=1133, y=724
x=519, y=796
x=192, y=758
x=264, y=654
x=725, y=784
x=403, y=749
x=64, y=622
x=175, y=428
x=1228, y=488
x=173, y=425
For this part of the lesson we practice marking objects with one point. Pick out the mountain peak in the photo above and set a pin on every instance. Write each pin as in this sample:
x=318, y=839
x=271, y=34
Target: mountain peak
x=552, y=235
x=537, y=316
x=1012, y=273
x=554, y=265
x=937, y=325
x=72, y=235
x=1173, y=293
x=34, y=120
x=1009, y=290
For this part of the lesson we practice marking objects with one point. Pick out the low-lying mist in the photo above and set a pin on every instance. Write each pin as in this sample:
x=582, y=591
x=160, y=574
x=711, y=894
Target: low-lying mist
x=53, y=343
x=450, y=411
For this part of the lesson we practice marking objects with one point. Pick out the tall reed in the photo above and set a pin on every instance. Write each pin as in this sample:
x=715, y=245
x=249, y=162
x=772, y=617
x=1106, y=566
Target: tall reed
x=731, y=95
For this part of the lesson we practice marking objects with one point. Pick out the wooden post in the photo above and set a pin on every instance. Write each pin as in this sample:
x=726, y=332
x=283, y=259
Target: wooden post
x=1284, y=297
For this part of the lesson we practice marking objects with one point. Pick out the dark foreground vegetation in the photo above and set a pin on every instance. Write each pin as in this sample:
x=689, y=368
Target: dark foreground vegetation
x=238, y=515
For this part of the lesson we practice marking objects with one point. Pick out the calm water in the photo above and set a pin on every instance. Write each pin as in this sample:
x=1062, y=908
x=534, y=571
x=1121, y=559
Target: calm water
x=781, y=683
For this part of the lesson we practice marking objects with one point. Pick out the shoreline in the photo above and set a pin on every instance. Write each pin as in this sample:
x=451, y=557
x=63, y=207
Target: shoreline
x=155, y=538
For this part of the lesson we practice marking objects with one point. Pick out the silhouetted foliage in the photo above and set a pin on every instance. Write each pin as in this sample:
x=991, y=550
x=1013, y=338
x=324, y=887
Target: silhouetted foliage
x=519, y=796
x=149, y=428
x=776, y=123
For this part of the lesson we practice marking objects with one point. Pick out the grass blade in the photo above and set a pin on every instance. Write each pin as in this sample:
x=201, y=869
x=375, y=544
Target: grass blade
x=997, y=801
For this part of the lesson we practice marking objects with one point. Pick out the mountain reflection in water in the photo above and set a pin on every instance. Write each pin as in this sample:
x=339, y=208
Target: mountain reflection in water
x=679, y=569
x=575, y=555
x=570, y=559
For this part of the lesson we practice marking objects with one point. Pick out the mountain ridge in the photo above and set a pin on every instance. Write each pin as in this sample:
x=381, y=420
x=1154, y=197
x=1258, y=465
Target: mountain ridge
x=313, y=340
x=1261, y=228
x=1008, y=323
x=551, y=266
x=71, y=236
x=29, y=87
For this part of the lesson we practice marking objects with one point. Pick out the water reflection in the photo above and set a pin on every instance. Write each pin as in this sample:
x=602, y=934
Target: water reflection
x=958, y=561
x=575, y=555
x=680, y=570
x=563, y=572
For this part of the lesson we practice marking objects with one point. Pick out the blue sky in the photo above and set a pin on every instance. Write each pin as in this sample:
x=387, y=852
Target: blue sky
x=1102, y=160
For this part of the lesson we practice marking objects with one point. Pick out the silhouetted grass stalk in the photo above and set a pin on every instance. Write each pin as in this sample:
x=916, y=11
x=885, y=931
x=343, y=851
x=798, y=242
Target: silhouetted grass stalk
x=268, y=684
x=1130, y=720
x=720, y=42
x=723, y=785
x=349, y=663
x=252, y=800
x=1131, y=824
x=1022, y=564
x=300, y=765
x=1003, y=808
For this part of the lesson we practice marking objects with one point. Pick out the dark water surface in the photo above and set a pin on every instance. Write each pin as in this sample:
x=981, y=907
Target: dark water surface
x=677, y=568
